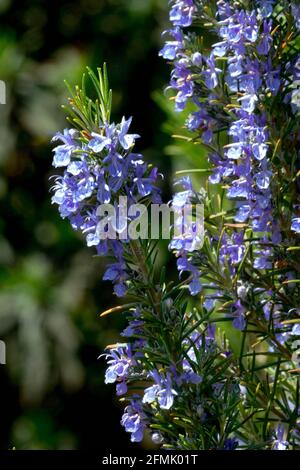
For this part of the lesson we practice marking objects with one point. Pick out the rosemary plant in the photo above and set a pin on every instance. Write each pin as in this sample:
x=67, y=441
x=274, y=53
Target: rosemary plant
x=212, y=362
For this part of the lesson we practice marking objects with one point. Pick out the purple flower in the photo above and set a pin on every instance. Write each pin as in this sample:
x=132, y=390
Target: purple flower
x=280, y=443
x=222, y=169
x=259, y=151
x=145, y=182
x=171, y=48
x=239, y=310
x=121, y=388
x=248, y=102
x=97, y=172
x=233, y=249
x=296, y=224
x=197, y=59
x=181, y=13
x=230, y=444
x=235, y=151
x=99, y=142
x=263, y=179
x=181, y=80
x=116, y=272
x=184, y=265
x=263, y=258
x=126, y=140
x=238, y=28
x=135, y=325
x=266, y=7
x=195, y=286
x=273, y=81
x=188, y=376
x=239, y=189
x=235, y=67
x=200, y=120
x=162, y=391
x=104, y=193
x=63, y=153
x=188, y=237
x=242, y=213
x=265, y=39
x=134, y=420
x=211, y=73
x=120, y=360
x=296, y=13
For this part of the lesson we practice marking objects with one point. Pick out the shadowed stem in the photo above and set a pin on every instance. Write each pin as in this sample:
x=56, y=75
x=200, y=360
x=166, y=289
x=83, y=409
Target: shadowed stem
x=140, y=261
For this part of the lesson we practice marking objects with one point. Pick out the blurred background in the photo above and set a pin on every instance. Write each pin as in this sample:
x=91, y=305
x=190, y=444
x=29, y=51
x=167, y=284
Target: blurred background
x=52, y=388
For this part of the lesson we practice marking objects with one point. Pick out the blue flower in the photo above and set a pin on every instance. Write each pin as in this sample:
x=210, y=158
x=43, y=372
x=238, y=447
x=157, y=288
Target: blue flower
x=248, y=102
x=296, y=330
x=235, y=151
x=264, y=45
x=62, y=155
x=188, y=376
x=296, y=13
x=97, y=171
x=181, y=80
x=189, y=237
x=230, y=444
x=135, y=325
x=92, y=239
x=211, y=73
x=263, y=179
x=145, y=182
x=195, y=286
x=171, y=48
x=121, y=388
x=184, y=265
x=104, y=192
x=232, y=248
x=116, y=272
x=263, y=258
x=260, y=150
x=235, y=67
x=266, y=7
x=242, y=213
x=239, y=310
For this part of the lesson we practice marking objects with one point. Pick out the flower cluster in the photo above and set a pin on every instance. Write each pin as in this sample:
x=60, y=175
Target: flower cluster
x=247, y=44
x=97, y=168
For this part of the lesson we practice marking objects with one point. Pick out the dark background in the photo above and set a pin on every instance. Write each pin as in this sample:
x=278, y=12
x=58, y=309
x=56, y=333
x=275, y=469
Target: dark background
x=52, y=388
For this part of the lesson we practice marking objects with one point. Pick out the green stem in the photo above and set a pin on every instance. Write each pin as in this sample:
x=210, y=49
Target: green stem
x=140, y=261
